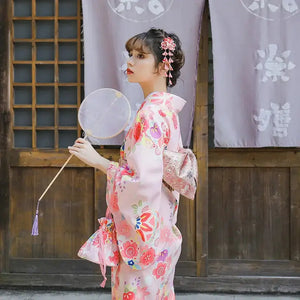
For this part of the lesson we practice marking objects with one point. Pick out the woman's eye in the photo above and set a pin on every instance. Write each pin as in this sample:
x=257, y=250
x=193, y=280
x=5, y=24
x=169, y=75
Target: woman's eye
x=129, y=54
x=140, y=56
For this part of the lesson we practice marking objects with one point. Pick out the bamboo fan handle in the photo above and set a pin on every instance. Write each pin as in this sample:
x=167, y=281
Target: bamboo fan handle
x=48, y=187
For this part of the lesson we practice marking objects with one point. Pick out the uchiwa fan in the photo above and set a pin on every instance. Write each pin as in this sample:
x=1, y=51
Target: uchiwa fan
x=103, y=114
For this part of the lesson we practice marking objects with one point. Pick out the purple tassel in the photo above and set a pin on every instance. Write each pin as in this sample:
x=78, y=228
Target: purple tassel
x=35, y=226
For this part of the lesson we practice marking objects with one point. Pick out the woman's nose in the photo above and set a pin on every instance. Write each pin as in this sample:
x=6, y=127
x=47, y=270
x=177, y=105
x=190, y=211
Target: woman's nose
x=130, y=61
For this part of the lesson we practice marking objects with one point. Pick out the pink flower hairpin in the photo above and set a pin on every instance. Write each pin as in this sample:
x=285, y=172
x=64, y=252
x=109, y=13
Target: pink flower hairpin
x=168, y=45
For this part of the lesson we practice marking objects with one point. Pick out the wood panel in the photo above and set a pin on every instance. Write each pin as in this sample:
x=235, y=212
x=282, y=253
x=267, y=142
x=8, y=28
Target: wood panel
x=295, y=214
x=249, y=213
x=244, y=267
x=66, y=212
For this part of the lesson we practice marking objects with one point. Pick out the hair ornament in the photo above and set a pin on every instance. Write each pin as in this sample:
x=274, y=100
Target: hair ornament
x=168, y=45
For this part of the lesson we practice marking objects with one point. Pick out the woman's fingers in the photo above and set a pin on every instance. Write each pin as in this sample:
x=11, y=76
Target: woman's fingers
x=72, y=148
x=81, y=141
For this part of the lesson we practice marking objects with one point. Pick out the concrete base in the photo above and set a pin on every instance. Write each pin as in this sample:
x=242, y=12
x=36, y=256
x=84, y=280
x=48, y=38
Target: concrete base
x=75, y=295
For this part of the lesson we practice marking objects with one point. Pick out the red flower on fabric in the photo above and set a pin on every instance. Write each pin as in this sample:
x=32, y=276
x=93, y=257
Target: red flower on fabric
x=142, y=105
x=140, y=127
x=115, y=258
x=130, y=249
x=129, y=296
x=160, y=270
x=167, y=137
x=162, y=113
x=137, y=131
x=147, y=257
x=145, y=225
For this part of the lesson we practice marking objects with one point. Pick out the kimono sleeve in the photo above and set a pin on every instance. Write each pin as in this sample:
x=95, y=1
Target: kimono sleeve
x=134, y=190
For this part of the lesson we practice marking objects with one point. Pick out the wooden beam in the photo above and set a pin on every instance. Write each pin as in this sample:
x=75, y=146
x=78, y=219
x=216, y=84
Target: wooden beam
x=201, y=149
x=5, y=118
x=214, y=284
x=254, y=158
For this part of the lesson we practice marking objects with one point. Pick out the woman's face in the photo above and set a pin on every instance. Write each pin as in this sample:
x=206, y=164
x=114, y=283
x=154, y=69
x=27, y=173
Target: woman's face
x=141, y=67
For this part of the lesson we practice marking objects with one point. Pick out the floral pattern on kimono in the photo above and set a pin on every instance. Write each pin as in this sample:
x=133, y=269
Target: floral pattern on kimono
x=144, y=210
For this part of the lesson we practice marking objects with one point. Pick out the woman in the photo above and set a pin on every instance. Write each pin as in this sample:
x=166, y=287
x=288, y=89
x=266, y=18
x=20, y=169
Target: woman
x=143, y=208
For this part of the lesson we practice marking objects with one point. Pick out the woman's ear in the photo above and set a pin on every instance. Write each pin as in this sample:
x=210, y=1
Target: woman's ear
x=163, y=68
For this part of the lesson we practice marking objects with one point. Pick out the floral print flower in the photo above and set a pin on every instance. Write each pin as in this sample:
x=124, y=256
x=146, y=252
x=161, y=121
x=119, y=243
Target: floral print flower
x=162, y=256
x=145, y=225
x=162, y=113
x=155, y=131
x=147, y=257
x=124, y=228
x=115, y=258
x=129, y=296
x=160, y=270
x=175, y=122
x=114, y=202
x=130, y=249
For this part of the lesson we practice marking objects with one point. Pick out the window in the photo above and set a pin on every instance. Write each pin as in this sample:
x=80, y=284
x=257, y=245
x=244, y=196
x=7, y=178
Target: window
x=46, y=72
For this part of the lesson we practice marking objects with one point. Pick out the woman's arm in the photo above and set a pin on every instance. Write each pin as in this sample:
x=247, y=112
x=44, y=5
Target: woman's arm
x=86, y=153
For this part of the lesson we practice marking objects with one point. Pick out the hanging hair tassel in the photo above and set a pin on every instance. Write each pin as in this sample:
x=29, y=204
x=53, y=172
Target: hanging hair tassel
x=168, y=45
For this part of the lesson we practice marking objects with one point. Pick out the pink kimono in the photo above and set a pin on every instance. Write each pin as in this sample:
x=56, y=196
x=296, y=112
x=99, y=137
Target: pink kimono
x=144, y=209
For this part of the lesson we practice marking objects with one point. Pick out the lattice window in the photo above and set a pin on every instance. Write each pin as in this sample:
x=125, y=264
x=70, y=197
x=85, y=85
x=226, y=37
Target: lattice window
x=46, y=72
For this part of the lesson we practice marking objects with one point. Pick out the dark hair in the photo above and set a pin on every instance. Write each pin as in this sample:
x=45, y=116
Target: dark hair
x=152, y=40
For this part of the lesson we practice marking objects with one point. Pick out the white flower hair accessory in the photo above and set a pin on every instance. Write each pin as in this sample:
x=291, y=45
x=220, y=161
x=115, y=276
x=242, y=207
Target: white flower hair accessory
x=168, y=45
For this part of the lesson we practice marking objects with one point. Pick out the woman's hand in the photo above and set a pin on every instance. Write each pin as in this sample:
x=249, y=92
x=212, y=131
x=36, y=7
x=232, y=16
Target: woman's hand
x=86, y=153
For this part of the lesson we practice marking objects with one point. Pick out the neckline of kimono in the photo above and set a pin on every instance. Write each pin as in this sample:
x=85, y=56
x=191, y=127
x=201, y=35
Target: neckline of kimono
x=178, y=102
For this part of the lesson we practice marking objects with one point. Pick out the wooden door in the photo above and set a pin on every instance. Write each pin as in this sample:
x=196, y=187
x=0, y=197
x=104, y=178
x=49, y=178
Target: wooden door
x=45, y=89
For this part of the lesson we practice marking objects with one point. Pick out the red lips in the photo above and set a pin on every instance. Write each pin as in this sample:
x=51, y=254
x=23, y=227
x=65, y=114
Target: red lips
x=129, y=71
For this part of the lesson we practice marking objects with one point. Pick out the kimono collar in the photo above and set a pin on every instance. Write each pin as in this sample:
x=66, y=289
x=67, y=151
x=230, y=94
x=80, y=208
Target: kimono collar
x=172, y=100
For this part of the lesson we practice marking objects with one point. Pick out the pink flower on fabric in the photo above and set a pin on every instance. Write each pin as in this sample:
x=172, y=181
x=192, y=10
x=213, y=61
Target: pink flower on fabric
x=124, y=228
x=147, y=257
x=166, y=235
x=142, y=292
x=130, y=249
x=160, y=270
x=129, y=296
x=157, y=98
x=175, y=122
x=96, y=240
x=114, y=202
